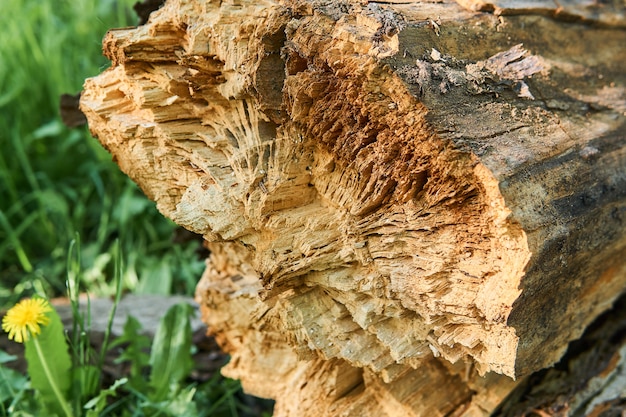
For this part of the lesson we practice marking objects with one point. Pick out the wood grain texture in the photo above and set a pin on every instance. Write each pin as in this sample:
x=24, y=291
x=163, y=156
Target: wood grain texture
x=398, y=198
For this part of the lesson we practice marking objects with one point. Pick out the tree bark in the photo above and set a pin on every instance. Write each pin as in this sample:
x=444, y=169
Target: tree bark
x=408, y=204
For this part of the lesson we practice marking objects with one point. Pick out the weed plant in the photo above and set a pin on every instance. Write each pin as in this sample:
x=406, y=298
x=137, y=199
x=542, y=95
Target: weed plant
x=65, y=372
x=57, y=182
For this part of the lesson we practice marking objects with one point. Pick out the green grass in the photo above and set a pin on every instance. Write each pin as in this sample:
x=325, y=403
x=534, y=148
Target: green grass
x=57, y=183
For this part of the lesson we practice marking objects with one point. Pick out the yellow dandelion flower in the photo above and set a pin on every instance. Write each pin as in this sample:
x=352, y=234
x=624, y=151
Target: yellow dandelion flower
x=25, y=317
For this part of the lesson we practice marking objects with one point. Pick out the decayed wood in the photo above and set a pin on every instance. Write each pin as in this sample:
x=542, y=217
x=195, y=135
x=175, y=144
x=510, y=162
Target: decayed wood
x=398, y=198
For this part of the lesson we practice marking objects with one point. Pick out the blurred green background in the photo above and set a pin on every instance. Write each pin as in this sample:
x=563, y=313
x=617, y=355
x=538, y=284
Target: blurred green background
x=57, y=183
x=59, y=188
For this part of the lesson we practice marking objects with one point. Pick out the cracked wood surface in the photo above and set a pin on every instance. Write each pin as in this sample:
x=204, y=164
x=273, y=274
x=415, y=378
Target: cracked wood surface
x=398, y=198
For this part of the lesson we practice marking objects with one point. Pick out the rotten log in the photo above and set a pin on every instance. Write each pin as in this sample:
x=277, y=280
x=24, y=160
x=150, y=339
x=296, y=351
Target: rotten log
x=408, y=204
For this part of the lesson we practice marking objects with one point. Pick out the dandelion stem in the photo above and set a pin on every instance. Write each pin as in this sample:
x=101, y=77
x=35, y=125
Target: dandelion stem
x=53, y=384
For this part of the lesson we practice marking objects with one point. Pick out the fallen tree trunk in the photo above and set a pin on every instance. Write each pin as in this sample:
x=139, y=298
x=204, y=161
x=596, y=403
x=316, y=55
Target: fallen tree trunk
x=398, y=198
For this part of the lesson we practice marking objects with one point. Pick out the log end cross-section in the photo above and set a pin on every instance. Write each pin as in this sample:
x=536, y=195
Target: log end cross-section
x=397, y=198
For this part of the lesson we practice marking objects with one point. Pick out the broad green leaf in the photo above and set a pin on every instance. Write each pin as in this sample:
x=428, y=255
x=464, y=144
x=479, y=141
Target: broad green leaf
x=183, y=404
x=88, y=376
x=170, y=356
x=98, y=403
x=134, y=351
x=11, y=383
x=57, y=360
x=156, y=278
x=5, y=357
